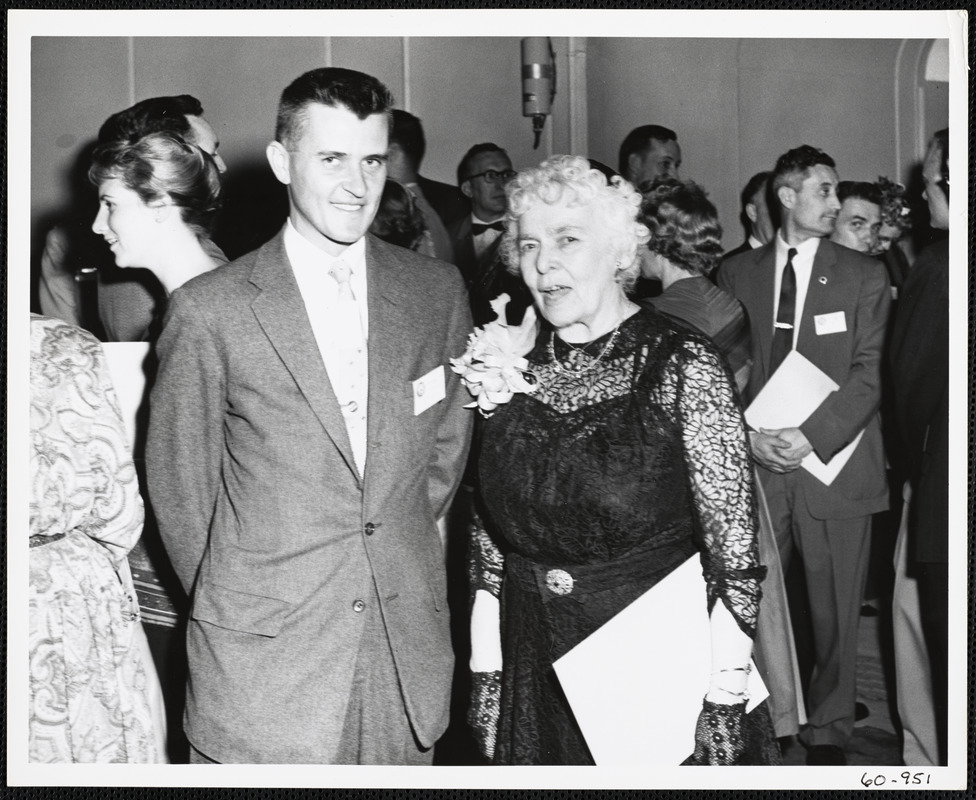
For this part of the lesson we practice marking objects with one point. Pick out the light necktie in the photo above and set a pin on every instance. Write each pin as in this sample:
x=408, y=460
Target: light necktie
x=350, y=383
x=785, y=317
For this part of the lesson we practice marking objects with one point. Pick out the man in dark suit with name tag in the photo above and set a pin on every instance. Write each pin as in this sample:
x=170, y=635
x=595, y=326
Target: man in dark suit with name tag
x=804, y=292
x=305, y=438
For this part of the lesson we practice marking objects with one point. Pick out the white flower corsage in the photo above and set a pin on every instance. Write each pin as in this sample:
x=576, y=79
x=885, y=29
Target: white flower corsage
x=494, y=367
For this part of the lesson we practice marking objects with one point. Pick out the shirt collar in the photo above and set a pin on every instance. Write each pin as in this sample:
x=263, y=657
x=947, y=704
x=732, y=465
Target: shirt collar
x=479, y=221
x=805, y=250
x=303, y=254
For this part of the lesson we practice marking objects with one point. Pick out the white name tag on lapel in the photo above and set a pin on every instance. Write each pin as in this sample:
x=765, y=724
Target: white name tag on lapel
x=830, y=323
x=428, y=390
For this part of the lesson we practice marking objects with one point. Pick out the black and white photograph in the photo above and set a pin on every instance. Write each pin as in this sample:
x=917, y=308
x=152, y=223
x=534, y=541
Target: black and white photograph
x=414, y=395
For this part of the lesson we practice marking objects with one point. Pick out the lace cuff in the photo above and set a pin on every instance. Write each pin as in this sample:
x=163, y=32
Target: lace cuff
x=719, y=735
x=485, y=561
x=486, y=690
x=740, y=590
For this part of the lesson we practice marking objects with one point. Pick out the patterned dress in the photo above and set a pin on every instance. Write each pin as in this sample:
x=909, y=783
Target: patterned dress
x=94, y=695
x=615, y=476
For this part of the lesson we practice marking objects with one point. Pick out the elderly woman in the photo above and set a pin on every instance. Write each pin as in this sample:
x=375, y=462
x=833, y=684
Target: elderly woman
x=157, y=199
x=626, y=458
x=685, y=246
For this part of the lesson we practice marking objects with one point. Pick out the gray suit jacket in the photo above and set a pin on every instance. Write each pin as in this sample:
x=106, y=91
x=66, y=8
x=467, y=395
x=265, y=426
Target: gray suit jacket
x=266, y=519
x=857, y=286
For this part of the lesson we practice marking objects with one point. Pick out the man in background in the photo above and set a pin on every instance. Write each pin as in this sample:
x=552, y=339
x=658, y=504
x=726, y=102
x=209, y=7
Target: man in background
x=483, y=174
x=803, y=292
x=649, y=152
x=859, y=218
x=440, y=204
x=756, y=216
x=920, y=376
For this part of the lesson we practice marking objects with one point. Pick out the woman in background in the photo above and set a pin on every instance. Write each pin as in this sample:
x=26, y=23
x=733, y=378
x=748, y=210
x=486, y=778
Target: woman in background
x=684, y=248
x=399, y=221
x=158, y=197
x=94, y=694
x=627, y=458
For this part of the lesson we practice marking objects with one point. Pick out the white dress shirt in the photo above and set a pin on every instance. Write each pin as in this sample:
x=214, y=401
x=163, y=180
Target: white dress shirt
x=803, y=268
x=484, y=240
x=342, y=347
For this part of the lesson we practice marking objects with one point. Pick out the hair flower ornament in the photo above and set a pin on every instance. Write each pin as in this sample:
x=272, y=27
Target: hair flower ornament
x=494, y=367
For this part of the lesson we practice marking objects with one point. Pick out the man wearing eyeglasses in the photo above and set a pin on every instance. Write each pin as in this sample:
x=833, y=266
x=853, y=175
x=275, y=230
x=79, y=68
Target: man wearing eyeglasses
x=482, y=176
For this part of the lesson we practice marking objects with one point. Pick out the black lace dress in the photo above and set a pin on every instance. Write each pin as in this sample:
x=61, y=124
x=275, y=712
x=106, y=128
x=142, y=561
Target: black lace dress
x=614, y=477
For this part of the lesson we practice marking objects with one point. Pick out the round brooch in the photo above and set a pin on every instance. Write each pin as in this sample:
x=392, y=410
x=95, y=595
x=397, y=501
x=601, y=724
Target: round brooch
x=558, y=581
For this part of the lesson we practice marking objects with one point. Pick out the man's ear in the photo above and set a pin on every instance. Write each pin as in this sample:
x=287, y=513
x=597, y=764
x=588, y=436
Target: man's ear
x=466, y=189
x=751, y=214
x=786, y=196
x=279, y=161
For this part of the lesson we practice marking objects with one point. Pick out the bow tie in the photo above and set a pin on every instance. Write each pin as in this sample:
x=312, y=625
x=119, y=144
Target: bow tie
x=478, y=228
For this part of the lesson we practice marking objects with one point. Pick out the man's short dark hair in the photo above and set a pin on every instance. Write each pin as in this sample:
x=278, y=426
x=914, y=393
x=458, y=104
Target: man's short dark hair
x=793, y=166
x=477, y=150
x=362, y=94
x=639, y=141
x=409, y=134
x=860, y=190
x=153, y=115
x=757, y=183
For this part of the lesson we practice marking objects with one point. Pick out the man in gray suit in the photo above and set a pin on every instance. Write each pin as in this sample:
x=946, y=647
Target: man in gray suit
x=803, y=292
x=305, y=438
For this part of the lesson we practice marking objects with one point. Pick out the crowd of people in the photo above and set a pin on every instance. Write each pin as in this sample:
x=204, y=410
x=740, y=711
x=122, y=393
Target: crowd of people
x=549, y=370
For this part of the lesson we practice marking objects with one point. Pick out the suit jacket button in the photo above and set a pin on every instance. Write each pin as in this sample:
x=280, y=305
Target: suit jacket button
x=359, y=606
x=369, y=529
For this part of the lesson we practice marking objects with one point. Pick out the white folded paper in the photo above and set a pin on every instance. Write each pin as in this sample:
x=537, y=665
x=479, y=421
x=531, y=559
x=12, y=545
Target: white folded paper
x=636, y=684
x=787, y=400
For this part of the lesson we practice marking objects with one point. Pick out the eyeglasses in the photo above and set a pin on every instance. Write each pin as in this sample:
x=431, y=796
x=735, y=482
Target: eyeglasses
x=493, y=176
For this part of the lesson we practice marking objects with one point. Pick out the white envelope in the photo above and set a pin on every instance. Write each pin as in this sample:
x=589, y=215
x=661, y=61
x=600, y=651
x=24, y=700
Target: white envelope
x=789, y=397
x=636, y=685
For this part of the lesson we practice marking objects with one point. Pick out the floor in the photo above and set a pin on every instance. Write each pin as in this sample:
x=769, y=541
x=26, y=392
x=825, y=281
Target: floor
x=875, y=741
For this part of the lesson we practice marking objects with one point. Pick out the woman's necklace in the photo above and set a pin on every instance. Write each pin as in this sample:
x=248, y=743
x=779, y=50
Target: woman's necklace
x=594, y=360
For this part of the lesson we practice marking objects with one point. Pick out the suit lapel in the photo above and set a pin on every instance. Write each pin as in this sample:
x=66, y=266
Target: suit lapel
x=821, y=294
x=280, y=310
x=389, y=339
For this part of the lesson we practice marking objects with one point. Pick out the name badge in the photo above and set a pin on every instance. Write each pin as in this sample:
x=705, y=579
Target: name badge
x=428, y=390
x=830, y=323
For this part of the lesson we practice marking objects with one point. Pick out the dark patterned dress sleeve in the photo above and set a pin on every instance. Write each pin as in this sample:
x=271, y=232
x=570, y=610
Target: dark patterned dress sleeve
x=485, y=561
x=721, y=481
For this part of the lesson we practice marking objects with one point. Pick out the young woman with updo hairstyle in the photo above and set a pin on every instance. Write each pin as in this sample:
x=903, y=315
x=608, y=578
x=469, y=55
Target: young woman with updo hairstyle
x=158, y=197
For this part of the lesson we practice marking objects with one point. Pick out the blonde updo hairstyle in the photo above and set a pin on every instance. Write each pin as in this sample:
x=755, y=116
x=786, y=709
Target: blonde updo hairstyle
x=572, y=180
x=161, y=165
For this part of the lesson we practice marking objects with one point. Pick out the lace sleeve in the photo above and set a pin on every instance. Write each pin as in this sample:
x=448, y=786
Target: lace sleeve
x=721, y=479
x=485, y=560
